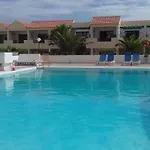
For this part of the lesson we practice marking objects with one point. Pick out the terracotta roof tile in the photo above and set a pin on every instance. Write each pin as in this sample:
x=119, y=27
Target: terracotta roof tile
x=49, y=24
x=4, y=24
x=105, y=20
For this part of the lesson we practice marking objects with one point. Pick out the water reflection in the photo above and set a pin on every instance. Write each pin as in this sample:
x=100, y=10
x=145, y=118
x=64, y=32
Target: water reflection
x=145, y=115
x=7, y=85
x=98, y=84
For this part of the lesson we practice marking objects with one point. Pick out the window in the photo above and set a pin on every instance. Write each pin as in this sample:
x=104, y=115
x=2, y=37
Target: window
x=43, y=37
x=134, y=32
x=84, y=34
x=2, y=38
x=22, y=37
x=106, y=35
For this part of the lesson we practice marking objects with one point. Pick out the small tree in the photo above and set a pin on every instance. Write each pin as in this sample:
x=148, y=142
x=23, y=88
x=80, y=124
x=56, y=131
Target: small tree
x=67, y=40
x=131, y=44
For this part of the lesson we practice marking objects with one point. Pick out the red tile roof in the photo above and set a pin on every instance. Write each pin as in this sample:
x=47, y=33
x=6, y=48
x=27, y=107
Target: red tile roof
x=49, y=24
x=55, y=23
x=4, y=24
x=105, y=20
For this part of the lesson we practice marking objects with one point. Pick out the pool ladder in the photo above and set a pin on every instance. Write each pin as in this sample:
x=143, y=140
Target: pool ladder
x=39, y=64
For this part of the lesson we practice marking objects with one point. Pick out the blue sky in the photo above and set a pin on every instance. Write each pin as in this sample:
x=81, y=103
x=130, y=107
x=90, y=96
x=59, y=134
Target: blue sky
x=78, y=10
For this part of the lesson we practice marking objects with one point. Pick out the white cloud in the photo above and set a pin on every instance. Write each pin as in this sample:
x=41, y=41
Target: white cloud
x=27, y=10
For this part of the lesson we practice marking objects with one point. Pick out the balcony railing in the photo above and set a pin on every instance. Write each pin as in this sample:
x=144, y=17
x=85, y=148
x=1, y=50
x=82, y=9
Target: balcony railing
x=18, y=41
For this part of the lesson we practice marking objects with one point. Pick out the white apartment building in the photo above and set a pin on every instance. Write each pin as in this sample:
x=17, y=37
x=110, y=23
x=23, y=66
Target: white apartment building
x=102, y=33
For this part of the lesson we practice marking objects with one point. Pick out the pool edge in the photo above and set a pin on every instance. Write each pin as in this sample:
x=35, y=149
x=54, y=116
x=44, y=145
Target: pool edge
x=23, y=70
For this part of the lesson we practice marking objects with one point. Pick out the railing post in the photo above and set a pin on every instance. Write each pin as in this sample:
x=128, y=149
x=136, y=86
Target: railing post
x=145, y=31
x=91, y=32
x=91, y=51
x=8, y=36
x=28, y=35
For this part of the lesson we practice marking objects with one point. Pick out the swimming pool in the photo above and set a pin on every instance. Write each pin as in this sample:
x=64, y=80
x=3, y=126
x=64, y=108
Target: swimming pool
x=71, y=109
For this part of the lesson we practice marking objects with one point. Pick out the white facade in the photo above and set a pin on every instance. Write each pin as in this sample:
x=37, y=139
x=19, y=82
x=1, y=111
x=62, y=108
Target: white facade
x=5, y=61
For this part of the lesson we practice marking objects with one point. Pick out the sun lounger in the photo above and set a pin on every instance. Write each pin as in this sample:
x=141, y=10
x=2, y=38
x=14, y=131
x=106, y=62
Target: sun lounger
x=102, y=59
x=136, y=58
x=28, y=59
x=111, y=58
x=127, y=58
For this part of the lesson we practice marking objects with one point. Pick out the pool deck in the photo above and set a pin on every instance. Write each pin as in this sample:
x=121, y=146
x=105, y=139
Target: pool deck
x=18, y=70
x=117, y=66
x=145, y=66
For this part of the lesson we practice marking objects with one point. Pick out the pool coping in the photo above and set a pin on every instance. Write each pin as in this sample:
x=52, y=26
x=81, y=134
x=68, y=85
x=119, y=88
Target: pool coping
x=22, y=70
x=97, y=67
x=26, y=70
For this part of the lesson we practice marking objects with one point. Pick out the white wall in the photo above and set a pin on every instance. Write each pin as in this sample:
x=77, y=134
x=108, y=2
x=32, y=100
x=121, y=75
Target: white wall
x=81, y=59
x=6, y=58
x=119, y=58
x=15, y=58
x=87, y=59
x=70, y=58
x=29, y=57
x=74, y=58
x=2, y=58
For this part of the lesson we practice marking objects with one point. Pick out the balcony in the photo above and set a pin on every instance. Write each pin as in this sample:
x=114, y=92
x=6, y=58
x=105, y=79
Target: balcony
x=99, y=44
x=27, y=44
x=146, y=38
x=91, y=40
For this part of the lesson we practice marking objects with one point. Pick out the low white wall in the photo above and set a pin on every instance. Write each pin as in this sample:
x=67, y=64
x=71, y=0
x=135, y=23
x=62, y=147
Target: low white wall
x=87, y=58
x=6, y=58
x=15, y=58
x=74, y=58
x=2, y=58
x=119, y=58
x=29, y=57
x=71, y=58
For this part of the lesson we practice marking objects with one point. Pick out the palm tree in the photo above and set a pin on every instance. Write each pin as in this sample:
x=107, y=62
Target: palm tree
x=131, y=44
x=67, y=40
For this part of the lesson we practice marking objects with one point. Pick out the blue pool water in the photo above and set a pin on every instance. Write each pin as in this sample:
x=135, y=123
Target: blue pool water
x=75, y=110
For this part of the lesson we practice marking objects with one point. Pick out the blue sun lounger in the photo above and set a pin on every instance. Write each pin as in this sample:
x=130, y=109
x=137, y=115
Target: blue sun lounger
x=136, y=58
x=102, y=59
x=127, y=58
x=111, y=58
